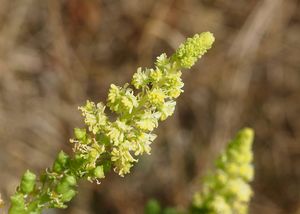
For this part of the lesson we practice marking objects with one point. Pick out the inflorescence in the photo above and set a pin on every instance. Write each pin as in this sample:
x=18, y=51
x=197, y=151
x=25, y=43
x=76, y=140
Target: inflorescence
x=227, y=189
x=107, y=143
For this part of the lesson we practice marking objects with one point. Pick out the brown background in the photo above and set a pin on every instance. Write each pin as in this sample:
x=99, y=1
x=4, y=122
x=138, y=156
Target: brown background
x=56, y=54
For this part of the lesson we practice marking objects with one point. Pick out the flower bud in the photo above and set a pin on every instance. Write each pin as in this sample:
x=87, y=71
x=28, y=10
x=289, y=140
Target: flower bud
x=60, y=162
x=62, y=187
x=80, y=134
x=99, y=172
x=66, y=184
x=62, y=158
x=17, y=204
x=70, y=180
x=68, y=195
x=28, y=182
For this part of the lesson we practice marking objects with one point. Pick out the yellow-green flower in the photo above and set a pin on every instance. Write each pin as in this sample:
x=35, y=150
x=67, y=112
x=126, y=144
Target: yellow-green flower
x=117, y=141
x=227, y=190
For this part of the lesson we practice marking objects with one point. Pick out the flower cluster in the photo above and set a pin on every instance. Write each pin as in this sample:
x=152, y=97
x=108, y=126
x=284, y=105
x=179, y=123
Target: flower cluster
x=226, y=191
x=117, y=143
x=141, y=107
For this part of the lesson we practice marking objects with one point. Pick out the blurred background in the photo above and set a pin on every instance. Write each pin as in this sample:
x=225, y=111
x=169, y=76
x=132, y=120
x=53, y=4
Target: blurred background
x=55, y=54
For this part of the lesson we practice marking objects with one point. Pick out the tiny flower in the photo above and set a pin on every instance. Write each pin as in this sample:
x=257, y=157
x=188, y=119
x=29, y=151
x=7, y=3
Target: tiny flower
x=140, y=78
